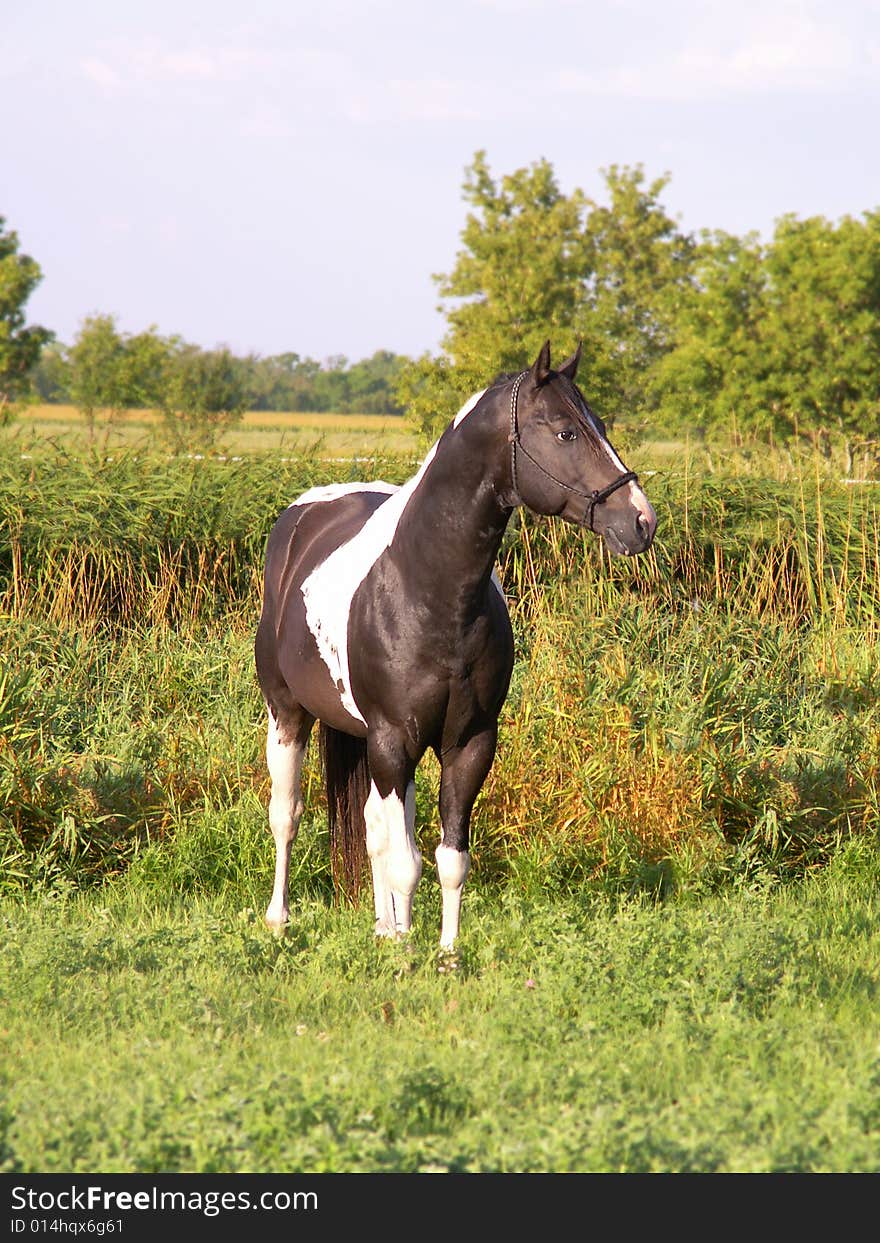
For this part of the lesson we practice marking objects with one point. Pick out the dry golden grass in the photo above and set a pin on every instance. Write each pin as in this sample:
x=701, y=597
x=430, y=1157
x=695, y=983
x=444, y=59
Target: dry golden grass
x=259, y=430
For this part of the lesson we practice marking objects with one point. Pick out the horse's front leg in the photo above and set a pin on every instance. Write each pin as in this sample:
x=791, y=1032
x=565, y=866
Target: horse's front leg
x=390, y=814
x=462, y=773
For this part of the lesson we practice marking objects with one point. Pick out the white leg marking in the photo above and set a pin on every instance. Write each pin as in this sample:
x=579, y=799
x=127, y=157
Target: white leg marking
x=377, y=849
x=452, y=868
x=394, y=859
x=284, y=761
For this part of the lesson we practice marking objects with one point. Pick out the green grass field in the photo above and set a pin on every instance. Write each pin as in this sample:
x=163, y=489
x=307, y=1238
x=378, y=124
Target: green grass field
x=669, y=956
x=153, y=1028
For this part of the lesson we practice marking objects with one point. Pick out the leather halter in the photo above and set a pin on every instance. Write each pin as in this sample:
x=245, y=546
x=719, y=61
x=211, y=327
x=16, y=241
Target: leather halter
x=596, y=497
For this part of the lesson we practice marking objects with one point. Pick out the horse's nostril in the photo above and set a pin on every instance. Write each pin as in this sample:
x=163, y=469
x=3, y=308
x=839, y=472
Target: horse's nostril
x=646, y=525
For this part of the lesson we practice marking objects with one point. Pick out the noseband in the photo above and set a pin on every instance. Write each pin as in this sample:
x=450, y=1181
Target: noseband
x=596, y=497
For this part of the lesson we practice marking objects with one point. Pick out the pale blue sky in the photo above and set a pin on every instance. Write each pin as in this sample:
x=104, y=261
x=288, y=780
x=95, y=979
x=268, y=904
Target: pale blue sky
x=286, y=176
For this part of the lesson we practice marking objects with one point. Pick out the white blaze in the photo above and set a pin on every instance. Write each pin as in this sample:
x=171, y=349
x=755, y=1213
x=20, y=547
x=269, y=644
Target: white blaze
x=636, y=495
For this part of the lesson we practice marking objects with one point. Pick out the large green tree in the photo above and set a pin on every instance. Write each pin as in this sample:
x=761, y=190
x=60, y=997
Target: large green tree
x=639, y=274
x=537, y=263
x=20, y=344
x=517, y=280
x=715, y=373
x=821, y=329
x=781, y=338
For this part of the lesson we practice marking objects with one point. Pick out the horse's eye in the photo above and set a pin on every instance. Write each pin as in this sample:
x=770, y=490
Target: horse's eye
x=567, y=433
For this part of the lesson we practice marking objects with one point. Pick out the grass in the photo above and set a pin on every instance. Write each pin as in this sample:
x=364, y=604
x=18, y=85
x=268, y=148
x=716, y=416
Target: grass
x=737, y=1033
x=290, y=433
x=705, y=711
x=670, y=933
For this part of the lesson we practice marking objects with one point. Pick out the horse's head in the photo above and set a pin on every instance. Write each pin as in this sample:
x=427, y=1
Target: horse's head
x=562, y=463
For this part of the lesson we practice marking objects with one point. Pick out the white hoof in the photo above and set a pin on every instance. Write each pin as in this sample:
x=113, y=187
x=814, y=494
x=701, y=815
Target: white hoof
x=277, y=923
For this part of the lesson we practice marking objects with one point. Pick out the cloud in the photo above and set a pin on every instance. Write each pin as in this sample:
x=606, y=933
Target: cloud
x=100, y=73
x=321, y=81
x=780, y=49
x=416, y=99
x=686, y=51
x=130, y=65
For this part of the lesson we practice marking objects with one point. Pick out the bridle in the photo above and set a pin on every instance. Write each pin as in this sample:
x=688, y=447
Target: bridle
x=596, y=497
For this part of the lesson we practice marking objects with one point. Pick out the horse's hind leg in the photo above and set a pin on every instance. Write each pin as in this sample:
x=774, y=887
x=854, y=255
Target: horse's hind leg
x=286, y=741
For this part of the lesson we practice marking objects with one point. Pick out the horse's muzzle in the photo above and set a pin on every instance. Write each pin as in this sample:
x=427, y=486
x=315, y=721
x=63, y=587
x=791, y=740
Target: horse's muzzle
x=631, y=534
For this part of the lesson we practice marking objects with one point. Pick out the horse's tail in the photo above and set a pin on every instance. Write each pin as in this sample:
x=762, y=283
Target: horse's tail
x=347, y=781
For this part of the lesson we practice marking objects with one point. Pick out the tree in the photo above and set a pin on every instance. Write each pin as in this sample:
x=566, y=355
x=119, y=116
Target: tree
x=205, y=394
x=51, y=374
x=821, y=330
x=370, y=383
x=536, y=264
x=714, y=375
x=784, y=338
x=517, y=281
x=639, y=273
x=148, y=361
x=99, y=371
x=20, y=345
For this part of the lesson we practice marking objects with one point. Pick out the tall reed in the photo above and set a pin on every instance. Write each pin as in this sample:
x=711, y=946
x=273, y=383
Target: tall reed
x=688, y=717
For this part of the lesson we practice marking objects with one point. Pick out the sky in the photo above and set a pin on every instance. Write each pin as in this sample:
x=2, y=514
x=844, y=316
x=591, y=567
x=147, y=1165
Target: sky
x=277, y=176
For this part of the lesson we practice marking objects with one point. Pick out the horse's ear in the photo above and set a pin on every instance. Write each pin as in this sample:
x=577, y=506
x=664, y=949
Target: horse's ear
x=540, y=369
x=570, y=366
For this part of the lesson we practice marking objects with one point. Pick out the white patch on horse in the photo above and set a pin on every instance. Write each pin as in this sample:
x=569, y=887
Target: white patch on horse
x=394, y=858
x=332, y=491
x=467, y=407
x=329, y=589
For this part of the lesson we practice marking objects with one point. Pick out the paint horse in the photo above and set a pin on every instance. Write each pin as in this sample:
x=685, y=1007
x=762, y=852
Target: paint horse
x=383, y=620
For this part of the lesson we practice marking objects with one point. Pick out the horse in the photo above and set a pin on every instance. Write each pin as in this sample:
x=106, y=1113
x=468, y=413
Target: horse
x=383, y=619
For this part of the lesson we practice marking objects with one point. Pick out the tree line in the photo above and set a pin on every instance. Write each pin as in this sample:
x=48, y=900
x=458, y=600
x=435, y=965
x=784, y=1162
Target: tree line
x=700, y=333
x=682, y=332
x=109, y=371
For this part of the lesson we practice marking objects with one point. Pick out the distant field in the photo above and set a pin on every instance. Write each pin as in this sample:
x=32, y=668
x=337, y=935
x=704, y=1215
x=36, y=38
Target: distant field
x=337, y=434
x=334, y=436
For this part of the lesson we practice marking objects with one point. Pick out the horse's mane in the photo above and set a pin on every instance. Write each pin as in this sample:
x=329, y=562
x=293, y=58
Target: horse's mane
x=503, y=377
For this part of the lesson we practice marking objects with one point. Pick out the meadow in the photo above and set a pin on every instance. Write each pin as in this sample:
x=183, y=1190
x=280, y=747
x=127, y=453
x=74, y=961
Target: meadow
x=259, y=431
x=669, y=953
